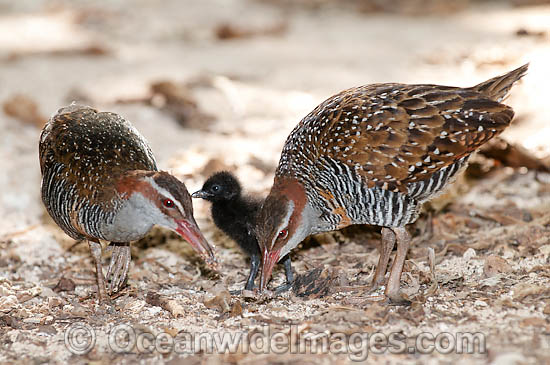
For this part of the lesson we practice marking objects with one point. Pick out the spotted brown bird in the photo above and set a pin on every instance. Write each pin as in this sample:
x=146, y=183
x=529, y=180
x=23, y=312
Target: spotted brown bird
x=100, y=182
x=235, y=214
x=373, y=155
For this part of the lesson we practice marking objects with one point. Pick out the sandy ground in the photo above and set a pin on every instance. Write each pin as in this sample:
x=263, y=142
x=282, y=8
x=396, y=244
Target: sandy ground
x=491, y=235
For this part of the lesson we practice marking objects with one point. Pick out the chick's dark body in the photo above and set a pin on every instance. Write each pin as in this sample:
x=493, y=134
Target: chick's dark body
x=236, y=218
x=236, y=215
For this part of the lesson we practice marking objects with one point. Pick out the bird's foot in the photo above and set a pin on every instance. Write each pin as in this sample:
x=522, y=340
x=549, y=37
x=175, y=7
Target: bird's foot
x=397, y=299
x=375, y=289
x=377, y=286
x=118, y=267
x=394, y=296
x=102, y=296
x=282, y=288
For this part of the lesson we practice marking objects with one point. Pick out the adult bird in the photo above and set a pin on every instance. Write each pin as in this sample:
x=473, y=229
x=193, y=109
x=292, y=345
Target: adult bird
x=100, y=182
x=373, y=155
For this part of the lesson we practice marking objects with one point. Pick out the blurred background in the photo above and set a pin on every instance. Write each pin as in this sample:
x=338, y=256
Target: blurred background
x=219, y=84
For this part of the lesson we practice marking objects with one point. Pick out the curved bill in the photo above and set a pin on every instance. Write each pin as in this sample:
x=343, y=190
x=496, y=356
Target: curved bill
x=191, y=232
x=268, y=262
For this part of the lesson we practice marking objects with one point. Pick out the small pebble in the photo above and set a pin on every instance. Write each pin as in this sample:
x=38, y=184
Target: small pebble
x=480, y=303
x=469, y=254
x=8, y=303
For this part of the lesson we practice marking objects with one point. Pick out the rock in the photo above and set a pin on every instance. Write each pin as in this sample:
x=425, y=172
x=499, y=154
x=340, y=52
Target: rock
x=47, y=292
x=55, y=302
x=545, y=250
x=28, y=294
x=8, y=303
x=469, y=254
x=5, y=288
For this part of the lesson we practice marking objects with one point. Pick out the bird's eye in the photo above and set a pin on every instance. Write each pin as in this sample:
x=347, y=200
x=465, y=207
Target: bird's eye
x=283, y=234
x=215, y=188
x=168, y=203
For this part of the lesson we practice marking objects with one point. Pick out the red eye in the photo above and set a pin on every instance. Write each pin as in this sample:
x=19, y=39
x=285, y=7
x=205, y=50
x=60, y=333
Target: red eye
x=168, y=203
x=283, y=234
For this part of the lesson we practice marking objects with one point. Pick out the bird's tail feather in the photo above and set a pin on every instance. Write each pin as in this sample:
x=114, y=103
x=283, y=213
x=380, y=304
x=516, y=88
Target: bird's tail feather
x=498, y=87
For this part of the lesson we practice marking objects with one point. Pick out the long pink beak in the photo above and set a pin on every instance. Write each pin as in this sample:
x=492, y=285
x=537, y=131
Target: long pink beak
x=191, y=232
x=268, y=262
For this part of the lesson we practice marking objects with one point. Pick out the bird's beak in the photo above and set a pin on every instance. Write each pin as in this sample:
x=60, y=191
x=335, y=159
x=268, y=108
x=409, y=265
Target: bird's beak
x=268, y=262
x=191, y=232
x=201, y=194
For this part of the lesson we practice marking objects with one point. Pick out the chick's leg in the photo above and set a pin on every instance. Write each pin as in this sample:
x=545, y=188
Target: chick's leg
x=289, y=275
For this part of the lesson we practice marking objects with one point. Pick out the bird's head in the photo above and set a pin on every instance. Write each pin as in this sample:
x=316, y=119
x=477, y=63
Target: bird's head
x=160, y=198
x=221, y=186
x=283, y=222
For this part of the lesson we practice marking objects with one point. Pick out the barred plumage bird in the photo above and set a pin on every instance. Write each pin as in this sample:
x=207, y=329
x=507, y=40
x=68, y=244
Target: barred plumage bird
x=100, y=182
x=372, y=155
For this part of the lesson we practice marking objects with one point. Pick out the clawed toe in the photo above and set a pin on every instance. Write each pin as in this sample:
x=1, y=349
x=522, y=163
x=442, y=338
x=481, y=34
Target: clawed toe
x=397, y=299
x=282, y=288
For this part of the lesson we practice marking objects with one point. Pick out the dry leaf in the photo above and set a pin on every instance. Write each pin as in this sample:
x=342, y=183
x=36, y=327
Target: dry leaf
x=227, y=31
x=532, y=322
x=512, y=155
x=64, y=284
x=495, y=265
x=177, y=100
x=221, y=302
x=175, y=309
x=236, y=309
x=25, y=110
x=172, y=306
x=314, y=284
x=524, y=290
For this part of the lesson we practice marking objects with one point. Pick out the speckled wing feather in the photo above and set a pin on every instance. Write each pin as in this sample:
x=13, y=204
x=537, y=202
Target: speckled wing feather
x=98, y=147
x=394, y=134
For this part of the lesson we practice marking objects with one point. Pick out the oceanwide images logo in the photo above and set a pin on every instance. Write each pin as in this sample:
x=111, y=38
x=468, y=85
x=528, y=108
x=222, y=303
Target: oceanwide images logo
x=80, y=338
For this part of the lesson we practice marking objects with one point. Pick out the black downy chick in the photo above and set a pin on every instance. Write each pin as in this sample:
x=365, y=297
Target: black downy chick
x=235, y=215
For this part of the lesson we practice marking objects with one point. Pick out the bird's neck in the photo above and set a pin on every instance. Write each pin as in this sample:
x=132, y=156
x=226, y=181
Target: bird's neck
x=133, y=219
x=136, y=213
x=292, y=189
x=311, y=214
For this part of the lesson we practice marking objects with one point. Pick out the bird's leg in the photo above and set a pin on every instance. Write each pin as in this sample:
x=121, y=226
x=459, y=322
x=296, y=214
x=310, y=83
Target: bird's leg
x=95, y=249
x=403, y=239
x=119, y=265
x=254, y=267
x=387, y=243
x=289, y=276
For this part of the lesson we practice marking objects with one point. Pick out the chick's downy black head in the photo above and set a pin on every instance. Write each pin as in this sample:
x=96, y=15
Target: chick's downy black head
x=220, y=186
